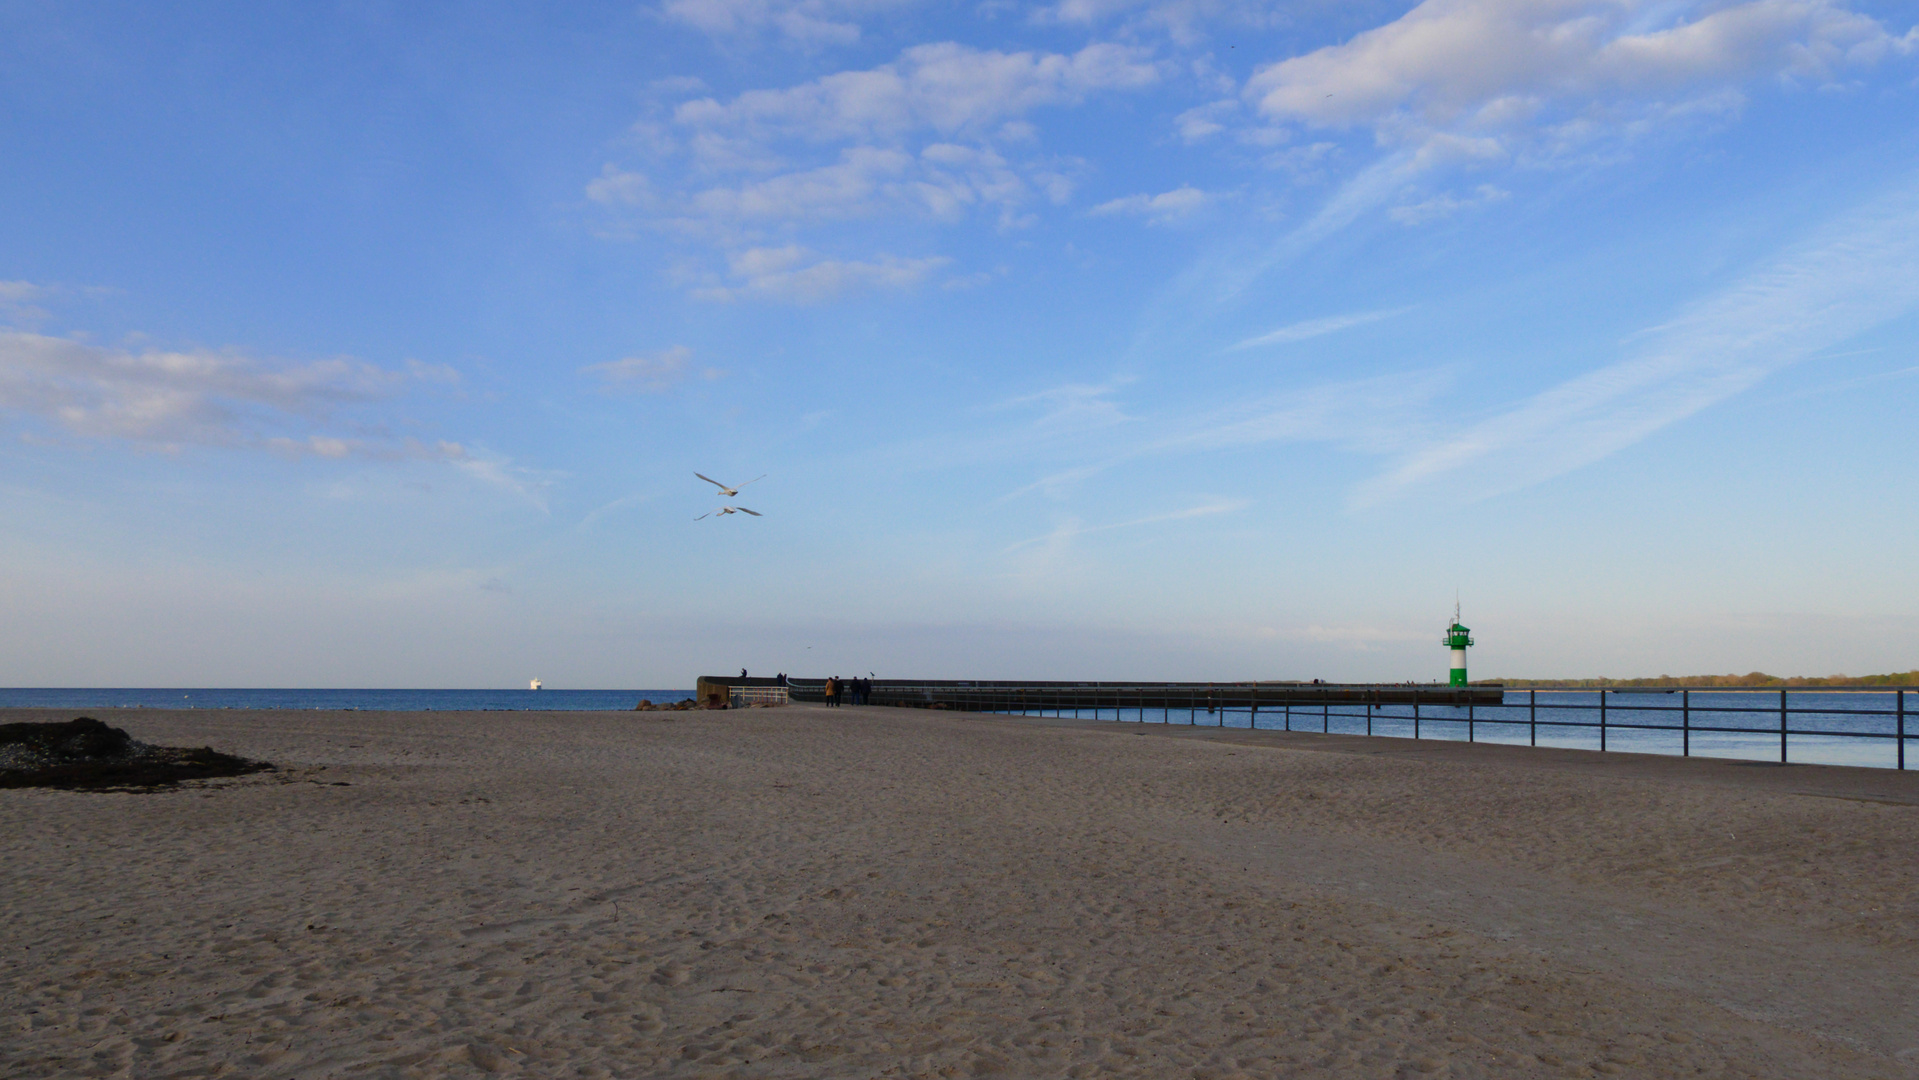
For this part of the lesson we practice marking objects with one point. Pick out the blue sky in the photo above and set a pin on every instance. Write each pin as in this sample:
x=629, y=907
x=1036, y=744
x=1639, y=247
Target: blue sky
x=377, y=345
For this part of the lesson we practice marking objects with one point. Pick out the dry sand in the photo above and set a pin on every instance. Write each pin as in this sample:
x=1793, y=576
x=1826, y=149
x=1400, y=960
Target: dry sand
x=805, y=892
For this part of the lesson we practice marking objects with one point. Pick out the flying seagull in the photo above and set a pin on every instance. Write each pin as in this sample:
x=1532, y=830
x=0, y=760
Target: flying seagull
x=729, y=492
x=729, y=510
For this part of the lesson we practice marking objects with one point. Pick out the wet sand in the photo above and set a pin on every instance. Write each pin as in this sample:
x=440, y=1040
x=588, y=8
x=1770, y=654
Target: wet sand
x=805, y=892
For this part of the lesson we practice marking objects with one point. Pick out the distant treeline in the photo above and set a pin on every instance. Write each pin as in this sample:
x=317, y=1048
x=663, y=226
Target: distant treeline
x=1750, y=679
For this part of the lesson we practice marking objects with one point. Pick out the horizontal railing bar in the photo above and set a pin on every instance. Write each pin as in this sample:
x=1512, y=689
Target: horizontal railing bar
x=1584, y=724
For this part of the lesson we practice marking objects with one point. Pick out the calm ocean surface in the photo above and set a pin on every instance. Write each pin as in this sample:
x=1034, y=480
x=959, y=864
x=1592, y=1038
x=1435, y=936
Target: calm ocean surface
x=397, y=700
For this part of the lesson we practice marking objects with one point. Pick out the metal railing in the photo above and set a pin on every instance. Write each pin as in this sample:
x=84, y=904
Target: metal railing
x=740, y=697
x=1852, y=726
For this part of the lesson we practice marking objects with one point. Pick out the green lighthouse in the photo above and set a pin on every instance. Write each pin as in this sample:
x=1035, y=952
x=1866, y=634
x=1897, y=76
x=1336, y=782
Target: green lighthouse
x=1457, y=638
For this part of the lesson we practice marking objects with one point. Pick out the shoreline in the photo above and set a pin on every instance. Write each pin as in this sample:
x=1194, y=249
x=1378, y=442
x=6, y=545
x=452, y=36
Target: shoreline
x=805, y=891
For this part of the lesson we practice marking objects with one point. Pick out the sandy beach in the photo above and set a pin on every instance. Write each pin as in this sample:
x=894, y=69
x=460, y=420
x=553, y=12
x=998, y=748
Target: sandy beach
x=802, y=892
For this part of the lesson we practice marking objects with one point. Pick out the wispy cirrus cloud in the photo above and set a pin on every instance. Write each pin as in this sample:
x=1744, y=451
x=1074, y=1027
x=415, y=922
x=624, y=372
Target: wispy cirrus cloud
x=1069, y=530
x=1445, y=205
x=1073, y=406
x=649, y=373
x=1312, y=328
x=1181, y=202
x=1860, y=271
x=1377, y=415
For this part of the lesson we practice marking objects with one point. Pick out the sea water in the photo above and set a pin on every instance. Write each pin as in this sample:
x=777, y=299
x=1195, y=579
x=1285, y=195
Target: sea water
x=394, y=700
x=1851, y=728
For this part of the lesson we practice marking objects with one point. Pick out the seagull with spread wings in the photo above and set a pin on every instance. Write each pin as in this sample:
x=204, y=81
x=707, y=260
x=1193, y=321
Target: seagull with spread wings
x=729, y=492
x=728, y=510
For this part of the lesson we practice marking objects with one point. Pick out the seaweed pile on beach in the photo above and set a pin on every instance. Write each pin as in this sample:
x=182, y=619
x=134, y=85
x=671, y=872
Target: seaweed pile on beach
x=666, y=706
x=84, y=754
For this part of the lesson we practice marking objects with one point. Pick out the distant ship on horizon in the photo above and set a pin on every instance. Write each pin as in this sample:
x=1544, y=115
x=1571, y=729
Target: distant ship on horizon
x=535, y=685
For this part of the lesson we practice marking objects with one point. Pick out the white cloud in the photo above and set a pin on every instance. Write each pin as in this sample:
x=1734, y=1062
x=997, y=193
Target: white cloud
x=651, y=373
x=924, y=137
x=615, y=186
x=795, y=275
x=1477, y=84
x=174, y=398
x=1184, y=21
x=168, y=400
x=1502, y=63
x=856, y=186
x=1862, y=271
x=943, y=182
x=1204, y=121
x=1312, y=328
x=20, y=301
x=947, y=87
x=1182, y=201
x=807, y=23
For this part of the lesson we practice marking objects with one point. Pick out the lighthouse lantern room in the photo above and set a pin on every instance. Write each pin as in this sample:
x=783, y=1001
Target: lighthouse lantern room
x=1457, y=638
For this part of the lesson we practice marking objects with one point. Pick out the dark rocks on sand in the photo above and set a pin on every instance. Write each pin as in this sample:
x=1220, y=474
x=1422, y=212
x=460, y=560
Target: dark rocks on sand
x=85, y=754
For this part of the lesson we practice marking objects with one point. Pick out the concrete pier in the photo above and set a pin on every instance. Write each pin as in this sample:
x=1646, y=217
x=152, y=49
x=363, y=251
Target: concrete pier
x=989, y=695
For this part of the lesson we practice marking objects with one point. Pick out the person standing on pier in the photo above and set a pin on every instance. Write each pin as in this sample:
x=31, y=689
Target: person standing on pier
x=833, y=690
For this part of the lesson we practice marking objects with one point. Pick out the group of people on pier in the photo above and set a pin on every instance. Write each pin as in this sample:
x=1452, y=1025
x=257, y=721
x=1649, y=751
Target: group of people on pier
x=848, y=691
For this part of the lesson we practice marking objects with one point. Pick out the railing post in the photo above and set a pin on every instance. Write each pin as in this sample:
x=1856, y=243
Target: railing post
x=1532, y=718
x=1469, y=716
x=1602, y=719
x=1685, y=723
x=1902, y=729
x=1371, y=707
x=1415, y=712
x=1325, y=716
x=1782, y=727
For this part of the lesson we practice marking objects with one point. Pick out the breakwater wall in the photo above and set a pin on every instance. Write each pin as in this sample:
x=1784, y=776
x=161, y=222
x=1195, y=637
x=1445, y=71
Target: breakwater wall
x=1014, y=696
